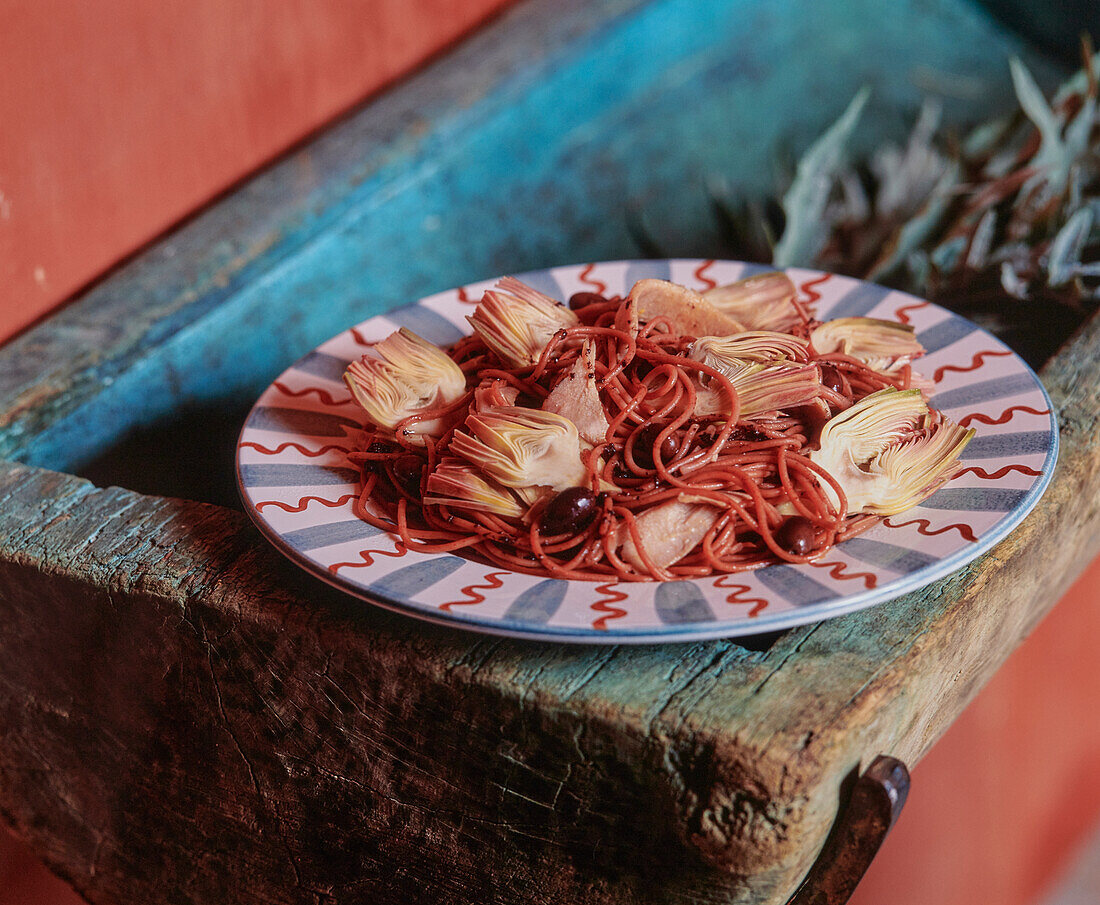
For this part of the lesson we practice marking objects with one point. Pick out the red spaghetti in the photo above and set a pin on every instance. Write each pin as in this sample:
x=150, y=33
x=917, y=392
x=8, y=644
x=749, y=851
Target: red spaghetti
x=736, y=485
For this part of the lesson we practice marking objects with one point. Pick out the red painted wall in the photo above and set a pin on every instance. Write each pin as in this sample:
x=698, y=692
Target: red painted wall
x=1002, y=802
x=118, y=119
x=23, y=879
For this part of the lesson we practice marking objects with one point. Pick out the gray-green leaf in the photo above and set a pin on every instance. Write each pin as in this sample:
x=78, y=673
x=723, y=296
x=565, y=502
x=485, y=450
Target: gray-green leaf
x=807, y=229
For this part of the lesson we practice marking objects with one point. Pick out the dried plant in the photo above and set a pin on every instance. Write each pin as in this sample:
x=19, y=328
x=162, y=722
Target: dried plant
x=1001, y=225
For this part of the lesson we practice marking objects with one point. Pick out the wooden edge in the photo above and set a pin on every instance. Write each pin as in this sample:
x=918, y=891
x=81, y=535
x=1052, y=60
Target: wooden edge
x=896, y=677
x=317, y=743
x=311, y=742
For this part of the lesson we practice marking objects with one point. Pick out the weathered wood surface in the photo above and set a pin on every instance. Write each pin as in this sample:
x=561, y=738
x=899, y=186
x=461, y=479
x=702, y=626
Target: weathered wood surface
x=183, y=712
x=184, y=717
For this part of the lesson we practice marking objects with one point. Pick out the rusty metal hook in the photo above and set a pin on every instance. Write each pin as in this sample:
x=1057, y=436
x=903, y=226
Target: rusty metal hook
x=860, y=829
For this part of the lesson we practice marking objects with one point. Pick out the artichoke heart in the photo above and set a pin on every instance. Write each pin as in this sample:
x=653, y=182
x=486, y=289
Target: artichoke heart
x=407, y=375
x=865, y=429
x=887, y=454
x=915, y=469
x=459, y=485
x=883, y=346
x=520, y=447
x=761, y=302
x=517, y=322
x=753, y=345
x=779, y=386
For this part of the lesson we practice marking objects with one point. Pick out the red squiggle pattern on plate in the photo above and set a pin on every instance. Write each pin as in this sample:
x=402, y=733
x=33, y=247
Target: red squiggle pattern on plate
x=976, y=362
x=473, y=591
x=606, y=605
x=923, y=527
x=324, y=395
x=1000, y=472
x=707, y=282
x=758, y=604
x=839, y=571
x=1003, y=418
x=812, y=295
x=366, y=557
x=902, y=315
x=599, y=285
x=303, y=503
x=463, y=297
x=362, y=340
x=312, y=453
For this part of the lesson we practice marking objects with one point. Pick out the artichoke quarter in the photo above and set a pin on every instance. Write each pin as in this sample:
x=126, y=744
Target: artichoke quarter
x=881, y=345
x=888, y=453
x=761, y=302
x=459, y=485
x=517, y=322
x=406, y=375
x=523, y=448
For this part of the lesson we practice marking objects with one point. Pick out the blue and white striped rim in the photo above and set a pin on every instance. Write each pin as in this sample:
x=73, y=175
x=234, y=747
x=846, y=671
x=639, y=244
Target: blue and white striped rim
x=299, y=488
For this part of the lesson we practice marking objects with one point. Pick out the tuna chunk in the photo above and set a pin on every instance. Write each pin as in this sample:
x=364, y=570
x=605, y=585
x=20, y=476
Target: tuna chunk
x=689, y=312
x=668, y=532
x=576, y=398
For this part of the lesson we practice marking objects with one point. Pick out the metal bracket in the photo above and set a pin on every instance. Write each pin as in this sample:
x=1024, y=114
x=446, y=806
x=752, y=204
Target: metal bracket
x=860, y=829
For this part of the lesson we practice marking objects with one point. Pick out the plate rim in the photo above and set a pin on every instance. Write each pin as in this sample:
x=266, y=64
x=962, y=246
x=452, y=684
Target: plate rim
x=673, y=632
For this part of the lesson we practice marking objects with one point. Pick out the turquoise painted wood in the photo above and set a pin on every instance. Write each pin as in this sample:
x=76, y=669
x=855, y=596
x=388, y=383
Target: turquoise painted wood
x=305, y=745
x=530, y=146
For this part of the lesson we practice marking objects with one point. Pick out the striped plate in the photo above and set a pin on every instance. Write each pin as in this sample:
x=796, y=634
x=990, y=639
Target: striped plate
x=299, y=488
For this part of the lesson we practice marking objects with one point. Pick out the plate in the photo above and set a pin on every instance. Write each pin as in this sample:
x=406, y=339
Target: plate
x=299, y=488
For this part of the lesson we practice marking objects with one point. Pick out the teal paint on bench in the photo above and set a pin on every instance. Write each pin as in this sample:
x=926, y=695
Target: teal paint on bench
x=521, y=149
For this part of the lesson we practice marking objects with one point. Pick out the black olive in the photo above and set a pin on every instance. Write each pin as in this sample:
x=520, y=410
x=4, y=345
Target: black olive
x=407, y=469
x=643, y=445
x=796, y=536
x=830, y=377
x=529, y=401
x=571, y=511
x=580, y=300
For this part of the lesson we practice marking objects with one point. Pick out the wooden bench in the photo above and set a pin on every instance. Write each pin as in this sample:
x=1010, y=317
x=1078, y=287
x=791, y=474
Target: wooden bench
x=186, y=717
